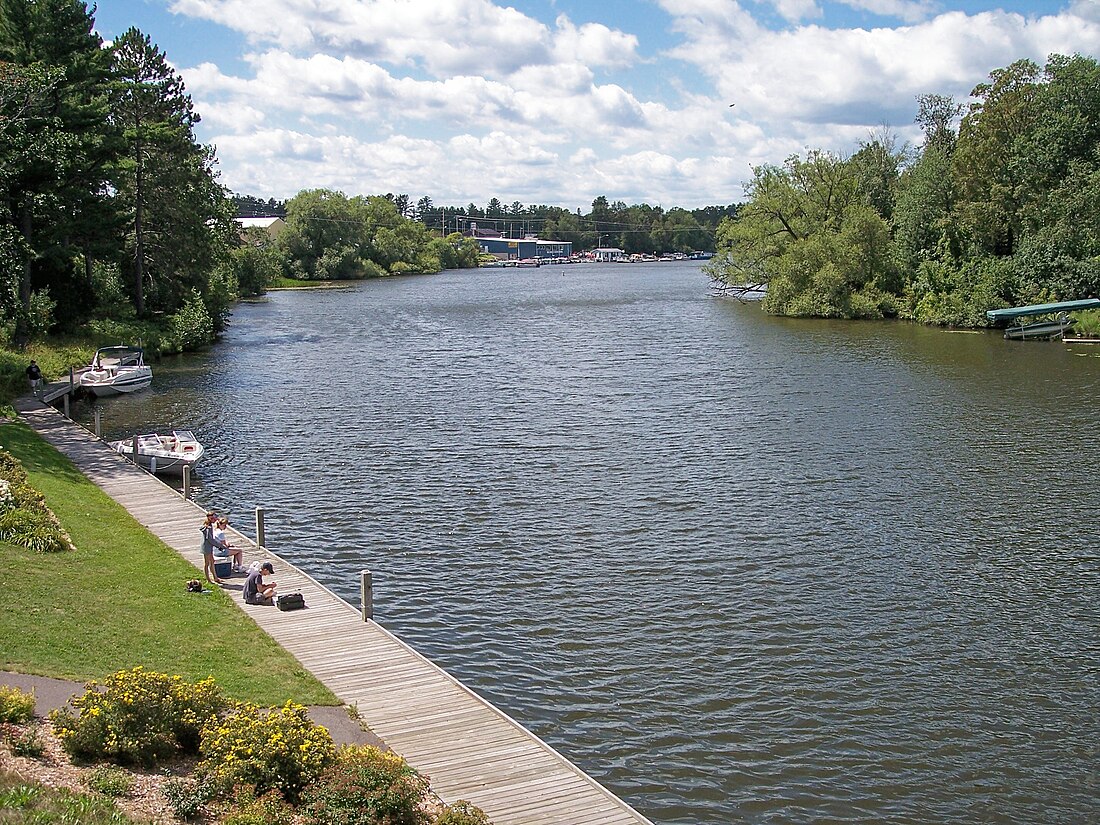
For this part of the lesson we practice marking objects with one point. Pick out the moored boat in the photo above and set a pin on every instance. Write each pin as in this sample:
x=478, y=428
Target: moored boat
x=116, y=370
x=1055, y=328
x=1053, y=325
x=163, y=454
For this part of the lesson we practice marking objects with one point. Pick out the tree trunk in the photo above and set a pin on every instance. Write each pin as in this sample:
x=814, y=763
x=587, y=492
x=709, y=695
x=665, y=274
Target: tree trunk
x=22, y=321
x=139, y=247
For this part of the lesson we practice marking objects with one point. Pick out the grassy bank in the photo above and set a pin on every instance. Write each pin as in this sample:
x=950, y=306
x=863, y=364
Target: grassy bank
x=119, y=600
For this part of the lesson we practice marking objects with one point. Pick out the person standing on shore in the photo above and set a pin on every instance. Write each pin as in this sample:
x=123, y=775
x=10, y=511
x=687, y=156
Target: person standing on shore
x=34, y=375
x=208, y=568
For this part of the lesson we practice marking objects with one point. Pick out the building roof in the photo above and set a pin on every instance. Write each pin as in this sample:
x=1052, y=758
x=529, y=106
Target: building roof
x=260, y=223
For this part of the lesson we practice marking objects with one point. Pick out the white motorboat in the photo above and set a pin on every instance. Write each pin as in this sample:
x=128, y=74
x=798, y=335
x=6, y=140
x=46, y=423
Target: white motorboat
x=163, y=454
x=116, y=370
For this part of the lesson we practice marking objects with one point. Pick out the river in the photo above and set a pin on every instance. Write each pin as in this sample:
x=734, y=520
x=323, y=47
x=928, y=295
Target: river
x=738, y=568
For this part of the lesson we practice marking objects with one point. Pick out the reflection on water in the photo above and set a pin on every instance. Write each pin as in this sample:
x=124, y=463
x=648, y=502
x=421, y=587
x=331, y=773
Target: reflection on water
x=736, y=567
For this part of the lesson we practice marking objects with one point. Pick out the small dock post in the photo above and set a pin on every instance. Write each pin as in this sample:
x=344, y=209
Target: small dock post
x=65, y=404
x=187, y=481
x=260, y=538
x=135, y=456
x=366, y=594
x=99, y=423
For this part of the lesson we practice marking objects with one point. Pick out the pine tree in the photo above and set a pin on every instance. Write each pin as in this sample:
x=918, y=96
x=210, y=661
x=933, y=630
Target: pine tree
x=179, y=216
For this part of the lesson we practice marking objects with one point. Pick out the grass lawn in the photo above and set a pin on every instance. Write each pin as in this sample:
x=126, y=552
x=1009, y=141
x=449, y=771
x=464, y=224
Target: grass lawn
x=119, y=600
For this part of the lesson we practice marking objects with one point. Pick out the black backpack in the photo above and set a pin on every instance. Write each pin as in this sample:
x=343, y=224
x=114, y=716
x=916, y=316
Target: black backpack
x=291, y=601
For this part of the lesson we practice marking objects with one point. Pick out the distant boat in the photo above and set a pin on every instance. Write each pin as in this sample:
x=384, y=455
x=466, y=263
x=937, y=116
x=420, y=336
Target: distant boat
x=163, y=454
x=1054, y=326
x=116, y=370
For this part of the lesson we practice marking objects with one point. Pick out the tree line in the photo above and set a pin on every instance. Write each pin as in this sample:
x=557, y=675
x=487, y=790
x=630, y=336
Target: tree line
x=111, y=213
x=639, y=228
x=998, y=208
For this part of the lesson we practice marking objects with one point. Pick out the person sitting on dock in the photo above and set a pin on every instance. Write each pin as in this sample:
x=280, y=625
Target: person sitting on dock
x=221, y=543
x=34, y=375
x=256, y=590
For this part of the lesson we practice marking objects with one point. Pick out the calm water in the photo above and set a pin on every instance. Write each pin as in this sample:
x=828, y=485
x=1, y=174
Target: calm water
x=738, y=568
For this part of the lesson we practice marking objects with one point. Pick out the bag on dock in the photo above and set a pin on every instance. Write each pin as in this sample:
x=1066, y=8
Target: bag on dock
x=291, y=601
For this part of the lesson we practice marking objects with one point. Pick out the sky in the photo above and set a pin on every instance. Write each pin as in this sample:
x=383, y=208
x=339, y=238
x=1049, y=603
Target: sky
x=556, y=102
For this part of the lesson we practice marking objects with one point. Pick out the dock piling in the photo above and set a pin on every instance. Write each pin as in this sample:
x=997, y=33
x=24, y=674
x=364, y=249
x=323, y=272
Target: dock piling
x=99, y=423
x=187, y=481
x=366, y=594
x=135, y=455
x=260, y=538
x=65, y=403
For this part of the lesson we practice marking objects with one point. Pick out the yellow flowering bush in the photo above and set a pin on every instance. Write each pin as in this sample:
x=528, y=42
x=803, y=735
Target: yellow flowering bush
x=15, y=705
x=138, y=717
x=276, y=749
x=367, y=786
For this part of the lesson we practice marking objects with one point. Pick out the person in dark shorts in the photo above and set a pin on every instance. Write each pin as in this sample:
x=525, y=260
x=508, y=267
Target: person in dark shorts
x=256, y=591
x=34, y=375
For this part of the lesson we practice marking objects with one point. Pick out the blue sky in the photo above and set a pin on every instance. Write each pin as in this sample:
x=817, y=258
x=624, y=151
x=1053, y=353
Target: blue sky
x=559, y=101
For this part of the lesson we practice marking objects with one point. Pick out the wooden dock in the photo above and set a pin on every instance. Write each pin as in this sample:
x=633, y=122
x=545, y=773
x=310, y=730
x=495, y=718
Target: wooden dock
x=468, y=748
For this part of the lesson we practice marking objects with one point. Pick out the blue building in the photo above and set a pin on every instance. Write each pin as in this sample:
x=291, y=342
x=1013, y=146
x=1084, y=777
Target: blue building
x=527, y=248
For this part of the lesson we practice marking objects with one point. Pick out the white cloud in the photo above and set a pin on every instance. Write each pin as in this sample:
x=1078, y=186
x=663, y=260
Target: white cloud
x=442, y=38
x=863, y=77
x=593, y=44
x=465, y=100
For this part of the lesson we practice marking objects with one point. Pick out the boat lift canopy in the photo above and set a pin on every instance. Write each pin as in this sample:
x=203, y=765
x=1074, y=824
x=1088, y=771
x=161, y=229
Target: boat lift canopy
x=1041, y=309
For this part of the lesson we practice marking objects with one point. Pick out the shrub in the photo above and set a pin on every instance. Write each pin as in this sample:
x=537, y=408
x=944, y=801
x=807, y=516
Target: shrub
x=463, y=813
x=280, y=749
x=186, y=797
x=367, y=786
x=24, y=741
x=249, y=809
x=139, y=717
x=109, y=781
x=15, y=705
x=192, y=325
x=25, y=519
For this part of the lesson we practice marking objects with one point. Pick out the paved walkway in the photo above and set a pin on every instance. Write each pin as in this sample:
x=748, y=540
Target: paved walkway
x=469, y=749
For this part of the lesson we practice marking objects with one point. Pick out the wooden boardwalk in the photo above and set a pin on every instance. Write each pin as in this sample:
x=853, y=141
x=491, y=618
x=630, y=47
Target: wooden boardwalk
x=469, y=749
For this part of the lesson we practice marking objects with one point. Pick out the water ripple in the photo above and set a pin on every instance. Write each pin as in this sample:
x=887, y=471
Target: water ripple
x=736, y=567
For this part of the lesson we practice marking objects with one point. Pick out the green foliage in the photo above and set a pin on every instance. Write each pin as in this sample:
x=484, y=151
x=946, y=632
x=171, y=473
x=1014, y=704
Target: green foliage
x=1088, y=324
x=186, y=797
x=250, y=809
x=367, y=786
x=958, y=294
x=279, y=749
x=1006, y=213
x=25, y=519
x=109, y=781
x=16, y=705
x=40, y=313
x=463, y=813
x=32, y=803
x=255, y=263
x=222, y=292
x=26, y=741
x=192, y=326
x=138, y=717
